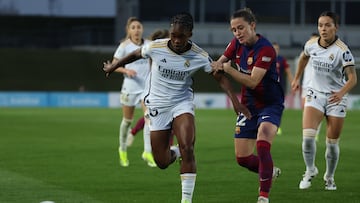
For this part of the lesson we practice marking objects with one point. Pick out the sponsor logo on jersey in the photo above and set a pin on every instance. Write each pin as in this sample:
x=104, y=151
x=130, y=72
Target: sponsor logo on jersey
x=266, y=58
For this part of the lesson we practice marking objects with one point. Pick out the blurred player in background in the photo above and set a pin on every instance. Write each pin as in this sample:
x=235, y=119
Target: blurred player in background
x=284, y=70
x=253, y=64
x=157, y=34
x=170, y=96
x=333, y=76
x=135, y=75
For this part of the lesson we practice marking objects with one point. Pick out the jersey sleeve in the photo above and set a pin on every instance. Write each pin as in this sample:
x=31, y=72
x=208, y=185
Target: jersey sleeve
x=207, y=67
x=120, y=51
x=230, y=51
x=146, y=50
x=265, y=58
x=347, y=59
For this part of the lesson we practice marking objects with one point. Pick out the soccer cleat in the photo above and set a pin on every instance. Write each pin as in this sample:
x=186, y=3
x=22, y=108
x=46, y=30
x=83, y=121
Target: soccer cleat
x=148, y=157
x=305, y=183
x=185, y=201
x=329, y=183
x=130, y=138
x=276, y=173
x=279, y=131
x=262, y=199
x=124, y=162
x=176, y=149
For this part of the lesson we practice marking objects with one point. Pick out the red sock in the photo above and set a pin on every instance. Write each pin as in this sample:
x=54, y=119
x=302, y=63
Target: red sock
x=265, y=167
x=139, y=126
x=250, y=162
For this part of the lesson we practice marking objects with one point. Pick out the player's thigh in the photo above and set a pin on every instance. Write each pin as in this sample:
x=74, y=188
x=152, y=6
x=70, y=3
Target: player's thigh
x=312, y=117
x=334, y=126
x=314, y=109
x=244, y=146
x=184, y=128
x=160, y=141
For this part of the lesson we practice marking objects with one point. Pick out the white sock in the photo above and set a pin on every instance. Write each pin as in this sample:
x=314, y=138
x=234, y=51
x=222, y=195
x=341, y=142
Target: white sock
x=187, y=186
x=309, y=148
x=331, y=156
x=147, y=141
x=124, y=127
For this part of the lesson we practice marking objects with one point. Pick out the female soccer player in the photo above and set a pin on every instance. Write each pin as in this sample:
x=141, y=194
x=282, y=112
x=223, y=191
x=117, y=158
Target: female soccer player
x=254, y=59
x=333, y=76
x=132, y=88
x=170, y=97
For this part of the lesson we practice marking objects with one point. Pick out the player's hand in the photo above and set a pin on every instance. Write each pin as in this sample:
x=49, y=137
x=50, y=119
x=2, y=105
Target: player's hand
x=107, y=68
x=240, y=108
x=295, y=85
x=335, y=97
x=216, y=66
x=130, y=73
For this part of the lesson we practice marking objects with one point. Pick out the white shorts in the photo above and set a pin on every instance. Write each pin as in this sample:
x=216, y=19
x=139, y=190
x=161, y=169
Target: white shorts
x=303, y=92
x=320, y=101
x=127, y=99
x=161, y=118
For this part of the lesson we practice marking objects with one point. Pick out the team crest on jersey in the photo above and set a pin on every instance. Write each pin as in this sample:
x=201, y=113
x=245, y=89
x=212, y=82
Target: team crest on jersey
x=187, y=63
x=250, y=60
x=331, y=57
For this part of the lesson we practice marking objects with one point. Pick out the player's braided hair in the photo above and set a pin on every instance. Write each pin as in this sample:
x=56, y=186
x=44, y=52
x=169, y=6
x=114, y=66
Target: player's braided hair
x=185, y=19
x=245, y=13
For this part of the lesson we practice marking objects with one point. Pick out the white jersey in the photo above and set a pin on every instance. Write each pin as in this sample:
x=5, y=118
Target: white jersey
x=306, y=76
x=327, y=65
x=136, y=84
x=171, y=73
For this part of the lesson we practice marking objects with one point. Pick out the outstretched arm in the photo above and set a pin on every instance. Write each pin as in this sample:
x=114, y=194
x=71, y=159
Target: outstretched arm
x=111, y=67
x=303, y=60
x=227, y=87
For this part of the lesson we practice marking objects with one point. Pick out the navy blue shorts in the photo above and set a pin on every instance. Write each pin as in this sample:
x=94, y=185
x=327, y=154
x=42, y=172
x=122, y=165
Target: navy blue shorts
x=246, y=128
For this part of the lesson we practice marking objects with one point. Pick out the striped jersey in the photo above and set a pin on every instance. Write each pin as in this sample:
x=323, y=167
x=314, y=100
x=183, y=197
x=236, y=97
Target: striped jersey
x=261, y=55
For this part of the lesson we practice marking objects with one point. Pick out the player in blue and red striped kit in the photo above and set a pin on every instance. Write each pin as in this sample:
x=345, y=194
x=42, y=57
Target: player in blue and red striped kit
x=250, y=59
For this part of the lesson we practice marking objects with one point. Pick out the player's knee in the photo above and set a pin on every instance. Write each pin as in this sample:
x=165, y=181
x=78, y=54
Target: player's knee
x=187, y=152
x=161, y=165
x=309, y=133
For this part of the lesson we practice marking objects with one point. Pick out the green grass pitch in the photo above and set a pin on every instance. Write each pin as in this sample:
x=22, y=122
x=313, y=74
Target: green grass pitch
x=69, y=155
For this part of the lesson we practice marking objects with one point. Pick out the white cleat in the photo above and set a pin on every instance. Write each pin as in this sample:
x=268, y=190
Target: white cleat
x=130, y=138
x=276, y=173
x=262, y=199
x=305, y=183
x=329, y=183
x=176, y=149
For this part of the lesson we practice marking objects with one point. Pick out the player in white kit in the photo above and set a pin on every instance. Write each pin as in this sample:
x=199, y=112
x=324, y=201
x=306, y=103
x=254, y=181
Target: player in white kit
x=170, y=97
x=135, y=75
x=333, y=76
